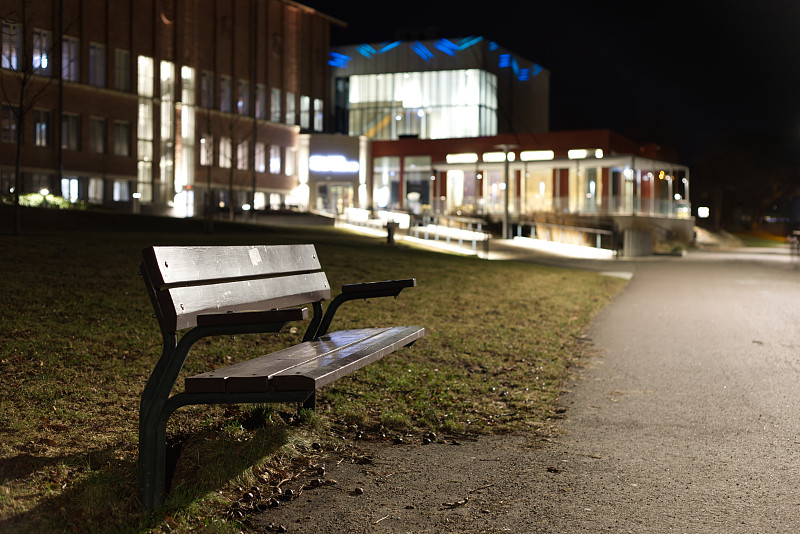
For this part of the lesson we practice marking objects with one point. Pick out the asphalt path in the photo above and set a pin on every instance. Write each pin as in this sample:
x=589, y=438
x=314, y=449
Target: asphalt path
x=685, y=419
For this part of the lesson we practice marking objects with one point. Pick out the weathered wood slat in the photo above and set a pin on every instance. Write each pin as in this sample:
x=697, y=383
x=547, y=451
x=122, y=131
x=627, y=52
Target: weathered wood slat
x=253, y=376
x=320, y=371
x=174, y=266
x=180, y=306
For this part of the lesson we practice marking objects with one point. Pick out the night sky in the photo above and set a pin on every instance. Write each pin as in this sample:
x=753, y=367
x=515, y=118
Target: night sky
x=717, y=79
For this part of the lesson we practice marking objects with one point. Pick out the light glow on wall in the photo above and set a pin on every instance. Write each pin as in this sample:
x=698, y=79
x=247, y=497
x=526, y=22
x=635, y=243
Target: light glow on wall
x=382, y=197
x=332, y=163
x=536, y=155
x=462, y=158
x=497, y=157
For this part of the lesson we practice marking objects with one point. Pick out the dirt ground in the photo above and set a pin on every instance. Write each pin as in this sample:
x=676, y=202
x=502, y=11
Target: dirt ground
x=452, y=484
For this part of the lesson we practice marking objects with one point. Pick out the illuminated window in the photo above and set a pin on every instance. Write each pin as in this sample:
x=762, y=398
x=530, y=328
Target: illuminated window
x=42, y=45
x=290, y=108
x=9, y=124
x=225, y=152
x=11, y=46
x=259, y=200
x=207, y=89
x=69, y=188
x=122, y=138
x=97, y=65
x=261, y=101
x=145, y=83
x=241, y=156
x=274, y=159
x=275, y=105
x=121, y=191
x=225, y=93
x=145, y=76
x=167, y=146
x=431, y=105
x=261, y=157
x=41, y=127
x=96, y=190
x=70, y=131
x=243, y=98
x=97, y=135
x=70, y=52
x=318, y=115
x=122, y=70
x=291, y=161
x=206, y=150
x=305, y=112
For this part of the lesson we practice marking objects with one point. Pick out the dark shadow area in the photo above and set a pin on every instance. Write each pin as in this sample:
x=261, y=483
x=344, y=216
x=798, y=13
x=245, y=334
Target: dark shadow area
x=96, y=492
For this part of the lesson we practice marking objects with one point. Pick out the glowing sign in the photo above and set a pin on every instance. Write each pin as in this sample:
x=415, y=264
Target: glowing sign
x=461, y=158
x=536, y=155
x=332, y=163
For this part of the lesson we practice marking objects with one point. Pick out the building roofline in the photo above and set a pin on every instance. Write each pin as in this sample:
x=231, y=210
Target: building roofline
x=308, y=9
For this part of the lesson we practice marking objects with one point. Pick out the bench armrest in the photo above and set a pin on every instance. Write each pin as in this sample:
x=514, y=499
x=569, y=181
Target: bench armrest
x=253, y=317
x=389, y=288
x=367, y=290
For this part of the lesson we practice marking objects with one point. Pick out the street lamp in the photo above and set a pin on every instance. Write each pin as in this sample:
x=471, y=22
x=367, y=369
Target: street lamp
x=506, y=148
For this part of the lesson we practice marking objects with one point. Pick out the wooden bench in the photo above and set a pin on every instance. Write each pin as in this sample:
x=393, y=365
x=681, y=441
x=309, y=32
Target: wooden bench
x=229, y=290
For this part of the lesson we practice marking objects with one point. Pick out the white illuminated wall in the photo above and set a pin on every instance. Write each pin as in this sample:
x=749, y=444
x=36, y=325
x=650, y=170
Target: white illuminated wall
x=332, y=173
x=431, y=105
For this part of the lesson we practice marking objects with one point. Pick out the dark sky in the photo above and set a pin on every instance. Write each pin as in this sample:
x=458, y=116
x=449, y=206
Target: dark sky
x=694, y=75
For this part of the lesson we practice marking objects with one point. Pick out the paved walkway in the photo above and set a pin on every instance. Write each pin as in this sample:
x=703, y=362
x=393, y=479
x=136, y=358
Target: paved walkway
x=685, y=421
x=688, y=422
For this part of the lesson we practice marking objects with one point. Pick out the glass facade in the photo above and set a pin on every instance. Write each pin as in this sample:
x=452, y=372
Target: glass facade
x=428, y=105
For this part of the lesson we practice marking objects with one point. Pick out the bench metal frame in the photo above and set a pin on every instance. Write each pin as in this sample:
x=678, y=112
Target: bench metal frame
x=156, y=403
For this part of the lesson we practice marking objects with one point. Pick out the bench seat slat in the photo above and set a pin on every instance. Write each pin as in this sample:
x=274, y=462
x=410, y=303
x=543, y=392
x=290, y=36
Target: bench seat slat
x=173, y=266
x=249, y=295
x=324, y=370
x=252, y=376
x=308, y=366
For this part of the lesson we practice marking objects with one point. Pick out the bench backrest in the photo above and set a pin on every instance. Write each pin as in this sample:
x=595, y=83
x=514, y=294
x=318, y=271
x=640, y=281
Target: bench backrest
x=185, y=282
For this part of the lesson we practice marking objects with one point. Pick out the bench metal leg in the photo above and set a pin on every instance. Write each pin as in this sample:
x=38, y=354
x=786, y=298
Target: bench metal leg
x=311, y=402
x=152, y=461
x=153, y=434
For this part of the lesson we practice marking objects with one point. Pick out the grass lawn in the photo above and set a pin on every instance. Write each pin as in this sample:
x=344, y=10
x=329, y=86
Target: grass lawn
x=79, y=340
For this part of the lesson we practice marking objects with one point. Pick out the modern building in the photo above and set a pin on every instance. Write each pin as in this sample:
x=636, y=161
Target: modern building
x=161, y=106
x=460, y=128
x=212, y=107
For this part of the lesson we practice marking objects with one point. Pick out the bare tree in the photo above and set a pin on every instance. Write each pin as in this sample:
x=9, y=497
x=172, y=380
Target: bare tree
x=27, y=63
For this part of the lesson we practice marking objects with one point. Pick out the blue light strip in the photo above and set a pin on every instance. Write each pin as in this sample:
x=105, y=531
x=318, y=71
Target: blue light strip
x=537, y=69
x=448, y=47
x=389, y=46
x=366, y=50
x=422, y=51
x=504, y=61
x=469, y=41
x=338, y=60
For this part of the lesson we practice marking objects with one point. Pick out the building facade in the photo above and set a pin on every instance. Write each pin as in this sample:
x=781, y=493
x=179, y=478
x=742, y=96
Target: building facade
x=171, y=106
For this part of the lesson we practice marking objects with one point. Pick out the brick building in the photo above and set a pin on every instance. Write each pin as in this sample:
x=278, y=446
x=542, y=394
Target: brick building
x=161, y=106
